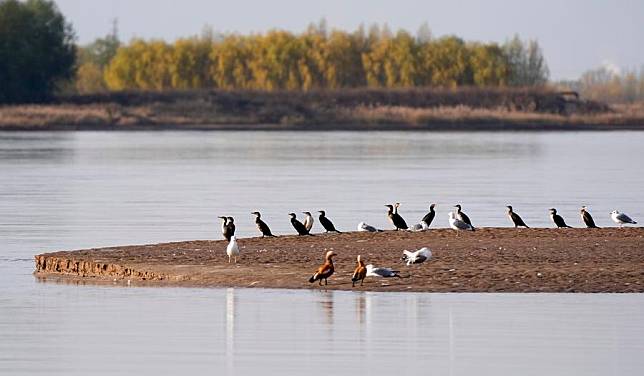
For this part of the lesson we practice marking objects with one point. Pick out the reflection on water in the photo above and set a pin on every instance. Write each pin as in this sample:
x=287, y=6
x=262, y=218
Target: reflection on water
x=230, y=329
x=326, y=307
x=84, y=330
x=361, y=307
x=75, y=190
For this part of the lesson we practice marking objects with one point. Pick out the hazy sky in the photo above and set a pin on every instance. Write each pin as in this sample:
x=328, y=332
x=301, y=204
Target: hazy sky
x=575, y=35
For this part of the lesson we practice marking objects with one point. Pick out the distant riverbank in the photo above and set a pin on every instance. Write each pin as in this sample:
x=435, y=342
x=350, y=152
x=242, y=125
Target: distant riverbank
x=355, y=109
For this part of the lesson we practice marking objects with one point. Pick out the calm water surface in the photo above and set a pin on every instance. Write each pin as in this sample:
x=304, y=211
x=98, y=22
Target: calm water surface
x=75, y=190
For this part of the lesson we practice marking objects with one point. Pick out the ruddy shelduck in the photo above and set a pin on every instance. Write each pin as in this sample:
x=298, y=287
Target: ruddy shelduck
x=325, y=270
x=360, y=273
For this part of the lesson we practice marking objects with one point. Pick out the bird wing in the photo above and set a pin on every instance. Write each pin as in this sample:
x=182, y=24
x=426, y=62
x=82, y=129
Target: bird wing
x=263, y=227
x=401, y=222
x=465, y=218
x=377, y=272
x=559, y=221
x=425, y=252
x=299, y=227
x=369, y=228
x=517, y=219
x=356, y=272
x=382, y=272
x=462, y=225
x=588, y=219
x=327, y=224
x=359, y=273
x=428, y=218
x=624, y=218
x=325, y=270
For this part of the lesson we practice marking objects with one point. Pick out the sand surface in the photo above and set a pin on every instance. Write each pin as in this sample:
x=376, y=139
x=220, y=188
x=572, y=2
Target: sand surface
x=488, y=260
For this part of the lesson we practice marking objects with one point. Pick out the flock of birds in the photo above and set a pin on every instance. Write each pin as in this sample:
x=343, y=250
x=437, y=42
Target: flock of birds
x=458, y=221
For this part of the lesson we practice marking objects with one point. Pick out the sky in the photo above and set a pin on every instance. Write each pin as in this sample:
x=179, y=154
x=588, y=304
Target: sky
x=575, y=35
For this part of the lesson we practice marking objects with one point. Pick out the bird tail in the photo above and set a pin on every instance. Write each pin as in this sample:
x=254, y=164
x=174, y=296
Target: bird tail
x=312, y=279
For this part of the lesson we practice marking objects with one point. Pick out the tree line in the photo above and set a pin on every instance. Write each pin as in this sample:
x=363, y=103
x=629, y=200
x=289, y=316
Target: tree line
x=606, y=84
x=317, y=59
x=37, y=50
x=39, y=57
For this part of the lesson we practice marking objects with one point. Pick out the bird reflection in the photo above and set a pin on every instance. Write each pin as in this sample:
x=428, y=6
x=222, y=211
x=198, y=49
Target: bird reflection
x=326, y=305
x=361, y=316
x=361, y=303
x=230, y=329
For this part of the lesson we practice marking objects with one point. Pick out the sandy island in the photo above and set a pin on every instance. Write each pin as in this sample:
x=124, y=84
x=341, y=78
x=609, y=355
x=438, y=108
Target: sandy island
x=488, y=260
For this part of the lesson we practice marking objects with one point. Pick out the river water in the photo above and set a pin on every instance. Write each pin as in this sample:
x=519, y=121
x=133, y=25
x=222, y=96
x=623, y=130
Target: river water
x=73, y=190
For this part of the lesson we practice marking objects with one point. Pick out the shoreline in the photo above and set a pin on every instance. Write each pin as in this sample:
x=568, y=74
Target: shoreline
x=399, y=127
x=419, y=109
x=488, y=260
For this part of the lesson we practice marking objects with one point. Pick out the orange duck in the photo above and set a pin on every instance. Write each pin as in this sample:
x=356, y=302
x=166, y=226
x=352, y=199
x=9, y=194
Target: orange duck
x=360, y=273
x=325, y=270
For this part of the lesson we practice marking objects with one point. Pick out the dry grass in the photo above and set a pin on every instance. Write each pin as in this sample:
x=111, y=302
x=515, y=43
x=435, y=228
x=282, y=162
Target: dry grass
x=348, y=109
x=622, y=114
x=38, y=116
x=108, y=115
x=456, y=114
